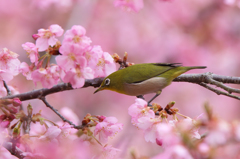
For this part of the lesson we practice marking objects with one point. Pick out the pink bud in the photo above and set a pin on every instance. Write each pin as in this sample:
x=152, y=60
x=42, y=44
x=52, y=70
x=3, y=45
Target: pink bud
x=35, y=36
x=159, y=141
x=16, y=102
x=5, y=124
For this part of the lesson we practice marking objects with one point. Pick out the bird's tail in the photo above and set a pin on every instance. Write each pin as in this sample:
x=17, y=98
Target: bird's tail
x=180, y=70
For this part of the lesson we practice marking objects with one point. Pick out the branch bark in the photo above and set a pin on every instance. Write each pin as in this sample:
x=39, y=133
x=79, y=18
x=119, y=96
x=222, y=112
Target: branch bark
x=201, y=79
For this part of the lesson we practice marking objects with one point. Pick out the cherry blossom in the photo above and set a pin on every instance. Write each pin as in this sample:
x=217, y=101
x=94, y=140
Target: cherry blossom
x=105, y=65
x=48, y=77
x=71, y=56
x=107, y=128
x=140, y=109
x=109, y=152
x=46, y=37
x=9, y=64
x=76, y=36
x=26, y=70
x=32, y=52
x=76, y=76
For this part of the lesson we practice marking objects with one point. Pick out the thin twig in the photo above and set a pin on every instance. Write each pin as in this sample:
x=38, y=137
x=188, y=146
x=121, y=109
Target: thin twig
x=7, y=88
x=218, y=92
x=56, y=111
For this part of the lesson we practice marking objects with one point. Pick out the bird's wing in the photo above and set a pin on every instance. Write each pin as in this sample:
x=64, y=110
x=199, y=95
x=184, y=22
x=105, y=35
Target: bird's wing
x=141, y=72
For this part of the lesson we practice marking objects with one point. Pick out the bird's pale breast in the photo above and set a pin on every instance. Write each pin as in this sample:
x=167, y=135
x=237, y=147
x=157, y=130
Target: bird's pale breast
x=151, y=85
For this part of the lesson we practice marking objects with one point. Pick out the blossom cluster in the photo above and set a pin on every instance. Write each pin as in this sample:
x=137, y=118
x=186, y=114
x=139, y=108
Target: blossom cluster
x=77, y=60
x=47, y=139
x=181, y=138
x=9, y=64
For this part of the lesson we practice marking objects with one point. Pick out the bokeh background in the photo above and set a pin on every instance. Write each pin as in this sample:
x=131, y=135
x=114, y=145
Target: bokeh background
x=194, y=33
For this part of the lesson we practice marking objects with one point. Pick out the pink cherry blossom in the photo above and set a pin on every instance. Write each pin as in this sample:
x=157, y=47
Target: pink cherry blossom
x=25, y=69
x=3, y=91
x=71, y=56
x=52, y=133
x=140, y=109
x=9, y=61
x=219, y=134
x=105, y=65
x=48, y=77
x=77, y=75
x=32, y=52
x=189, y=126
x=92, y=55
x=150, y=126
x=129, y=5
x=76, y=36
x=6, y=76
x=107, y=128
x=4, y=153
x=166, y=133
x=176, y=151
x=47, y=37
x=109, y=152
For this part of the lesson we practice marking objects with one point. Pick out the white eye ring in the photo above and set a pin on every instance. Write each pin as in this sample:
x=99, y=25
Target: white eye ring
x=107, y=81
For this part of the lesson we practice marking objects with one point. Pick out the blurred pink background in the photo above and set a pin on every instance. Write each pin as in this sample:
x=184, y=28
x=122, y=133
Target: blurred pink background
x=194, y=33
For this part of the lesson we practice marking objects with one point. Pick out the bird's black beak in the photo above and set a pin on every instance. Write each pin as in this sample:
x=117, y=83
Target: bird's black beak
x=99, y=89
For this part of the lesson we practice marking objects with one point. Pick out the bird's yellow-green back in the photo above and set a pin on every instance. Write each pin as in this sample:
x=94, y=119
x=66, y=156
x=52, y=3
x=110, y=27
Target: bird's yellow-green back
x=138, y=73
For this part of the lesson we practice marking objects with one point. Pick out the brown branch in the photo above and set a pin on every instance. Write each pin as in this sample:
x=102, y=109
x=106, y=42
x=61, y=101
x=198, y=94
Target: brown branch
x=6, y=87
x=207, y=78
x=35, y=94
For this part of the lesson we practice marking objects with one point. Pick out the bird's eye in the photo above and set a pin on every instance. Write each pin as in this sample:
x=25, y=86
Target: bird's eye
x=107, y=81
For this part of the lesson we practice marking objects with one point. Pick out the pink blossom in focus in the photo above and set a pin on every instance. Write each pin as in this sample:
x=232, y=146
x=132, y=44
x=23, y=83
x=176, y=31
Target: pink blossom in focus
x=9, y=64
x=76, y=35
x=76, y=76
x=129, y=5
x=107, y=128
x=32, y=52
x=48, y=37
x=140, y=109
x=92, y=55
x=48, y=77
x=105, y=65
x=71, y=56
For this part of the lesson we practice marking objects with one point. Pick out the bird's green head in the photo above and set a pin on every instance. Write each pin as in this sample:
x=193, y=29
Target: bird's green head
x=106, y=84
x=112, y=82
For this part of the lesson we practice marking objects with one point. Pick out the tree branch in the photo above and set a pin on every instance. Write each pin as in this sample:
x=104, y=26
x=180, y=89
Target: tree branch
x=201, y=79
x=56, y=111
x=6, y=87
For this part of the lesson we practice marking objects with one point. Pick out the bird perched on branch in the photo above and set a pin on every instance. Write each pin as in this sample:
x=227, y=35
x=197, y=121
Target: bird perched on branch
x=141, y=79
